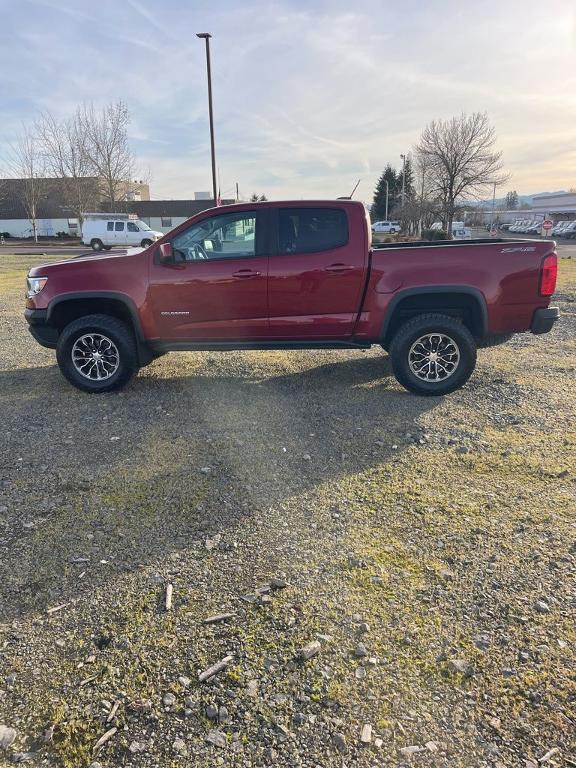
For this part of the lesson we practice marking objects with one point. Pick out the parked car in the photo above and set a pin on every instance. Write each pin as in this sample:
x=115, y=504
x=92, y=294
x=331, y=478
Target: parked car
x=535, y=227
x=461, y=233
x=386, y=227
x=559, y=227
x=570, y=231
x=117, y=230
x=306, y=276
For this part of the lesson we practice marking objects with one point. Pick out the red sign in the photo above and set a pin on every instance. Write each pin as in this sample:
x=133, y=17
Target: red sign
x=547, y=224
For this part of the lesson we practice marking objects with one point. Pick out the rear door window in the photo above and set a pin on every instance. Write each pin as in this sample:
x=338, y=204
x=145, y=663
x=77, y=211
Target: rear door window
x=310, y=230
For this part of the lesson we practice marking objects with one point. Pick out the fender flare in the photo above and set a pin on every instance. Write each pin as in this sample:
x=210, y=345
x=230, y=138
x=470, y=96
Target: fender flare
x=144, y=353
x=467, y=290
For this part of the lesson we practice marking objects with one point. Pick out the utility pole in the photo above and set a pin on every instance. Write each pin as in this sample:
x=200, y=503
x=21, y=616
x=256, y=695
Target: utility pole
x=386, y=201
x=403, y=178
x=493, y=206
x=422, y=198
x=206, y=36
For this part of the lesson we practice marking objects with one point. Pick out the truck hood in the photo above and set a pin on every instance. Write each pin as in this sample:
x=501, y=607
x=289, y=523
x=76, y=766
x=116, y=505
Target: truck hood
x=78, y=262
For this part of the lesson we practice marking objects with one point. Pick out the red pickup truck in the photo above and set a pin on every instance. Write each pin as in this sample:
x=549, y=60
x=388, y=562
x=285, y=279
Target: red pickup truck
x=291, y=275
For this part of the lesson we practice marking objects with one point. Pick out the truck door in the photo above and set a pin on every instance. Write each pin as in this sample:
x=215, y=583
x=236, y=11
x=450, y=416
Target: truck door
x=215, y=289
x=317, y=274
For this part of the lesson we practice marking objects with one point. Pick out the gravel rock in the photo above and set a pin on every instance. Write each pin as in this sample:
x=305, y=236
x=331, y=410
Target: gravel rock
x=179, y=746
x=409, y=751
x=217, y=738
x=212, y=712
x=168, y=699
x=308, y=651
x=339, y=742
x=7, y=736
x=366, y=734
x=361, y=651
x=460, y=666
x=223, y=714
x=184, y=681
x=542, y=606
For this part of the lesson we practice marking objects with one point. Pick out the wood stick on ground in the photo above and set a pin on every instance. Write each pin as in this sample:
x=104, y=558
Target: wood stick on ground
x=169, y=589
x=218, y=617
x=113, y=710
x=57, y=608
x=214, y=669
x=106, y=737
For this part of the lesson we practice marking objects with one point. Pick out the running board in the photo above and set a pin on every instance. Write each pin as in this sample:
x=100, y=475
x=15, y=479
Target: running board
x=227, y=346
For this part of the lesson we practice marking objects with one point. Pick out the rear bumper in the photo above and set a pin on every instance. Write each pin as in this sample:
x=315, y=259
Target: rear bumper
x=543, y=319
x=45, y=334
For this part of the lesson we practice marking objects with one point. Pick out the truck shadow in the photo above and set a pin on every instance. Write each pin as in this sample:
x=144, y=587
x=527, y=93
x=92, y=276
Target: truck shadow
x=184, y=452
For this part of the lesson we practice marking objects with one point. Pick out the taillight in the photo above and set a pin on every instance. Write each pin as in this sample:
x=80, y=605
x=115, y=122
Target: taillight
x=548, y=275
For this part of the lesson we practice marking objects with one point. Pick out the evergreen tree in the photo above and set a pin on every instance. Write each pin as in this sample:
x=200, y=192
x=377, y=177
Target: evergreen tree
x=378, y=210
x=512, y=200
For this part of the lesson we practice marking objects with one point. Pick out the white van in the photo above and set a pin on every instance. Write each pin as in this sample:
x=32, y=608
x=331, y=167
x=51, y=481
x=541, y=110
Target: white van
x=386, y=227
x=104, y=231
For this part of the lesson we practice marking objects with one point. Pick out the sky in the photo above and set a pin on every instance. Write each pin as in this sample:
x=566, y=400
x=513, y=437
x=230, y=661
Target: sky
x=309, y=95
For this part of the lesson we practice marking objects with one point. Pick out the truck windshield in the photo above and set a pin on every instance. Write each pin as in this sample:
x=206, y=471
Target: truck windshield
x=142, y=226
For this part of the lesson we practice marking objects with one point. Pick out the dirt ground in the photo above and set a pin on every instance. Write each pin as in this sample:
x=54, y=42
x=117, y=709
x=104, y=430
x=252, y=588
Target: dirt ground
x=427, y=544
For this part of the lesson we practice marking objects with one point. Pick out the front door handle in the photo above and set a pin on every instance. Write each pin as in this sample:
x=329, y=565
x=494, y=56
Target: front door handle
x=338, y=268
x=244, y=273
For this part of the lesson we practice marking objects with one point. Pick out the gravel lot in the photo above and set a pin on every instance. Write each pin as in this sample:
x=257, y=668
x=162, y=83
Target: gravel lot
x=427, y=546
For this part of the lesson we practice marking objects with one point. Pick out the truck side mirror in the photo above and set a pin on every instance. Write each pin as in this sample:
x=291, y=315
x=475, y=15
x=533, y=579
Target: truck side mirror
x=166, y=253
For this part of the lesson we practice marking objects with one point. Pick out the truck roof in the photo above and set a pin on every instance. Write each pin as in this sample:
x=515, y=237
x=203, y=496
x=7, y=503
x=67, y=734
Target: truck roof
x=289, y=204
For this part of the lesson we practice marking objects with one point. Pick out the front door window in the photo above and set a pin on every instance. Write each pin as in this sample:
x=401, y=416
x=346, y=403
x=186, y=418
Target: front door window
x=227, y=236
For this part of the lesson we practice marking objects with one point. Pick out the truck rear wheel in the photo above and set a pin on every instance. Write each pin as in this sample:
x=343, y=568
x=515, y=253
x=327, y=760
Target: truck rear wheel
x=433, y=354
x=97, y=353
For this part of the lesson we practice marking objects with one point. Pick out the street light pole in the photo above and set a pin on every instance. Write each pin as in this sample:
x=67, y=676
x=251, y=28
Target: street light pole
x=207, y=36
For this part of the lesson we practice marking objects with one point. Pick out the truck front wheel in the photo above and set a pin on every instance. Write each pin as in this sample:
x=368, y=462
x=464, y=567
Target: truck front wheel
x=96, y=244
x=97, y=353
x=433, y=354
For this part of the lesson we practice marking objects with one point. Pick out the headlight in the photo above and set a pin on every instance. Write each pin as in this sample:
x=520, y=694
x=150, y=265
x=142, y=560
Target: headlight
x=35, y=285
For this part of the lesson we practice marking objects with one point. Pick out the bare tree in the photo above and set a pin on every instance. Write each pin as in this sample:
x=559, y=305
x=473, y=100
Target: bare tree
x=63, y=144
x=26, y=167
x=461, y=160
x=105, y=144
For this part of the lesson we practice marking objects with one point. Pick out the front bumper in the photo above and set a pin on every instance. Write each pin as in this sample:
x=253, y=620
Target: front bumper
x=45, y=334
x=544, y=319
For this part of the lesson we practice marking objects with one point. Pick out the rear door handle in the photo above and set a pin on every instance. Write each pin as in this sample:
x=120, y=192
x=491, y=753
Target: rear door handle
x=244, y=273
x=339, y=268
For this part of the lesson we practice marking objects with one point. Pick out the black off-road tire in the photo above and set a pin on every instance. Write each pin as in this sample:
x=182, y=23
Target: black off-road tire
x=493, y=340
x=96, y=244
x=419, y=327
x=146, y=243
x=110, y=328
